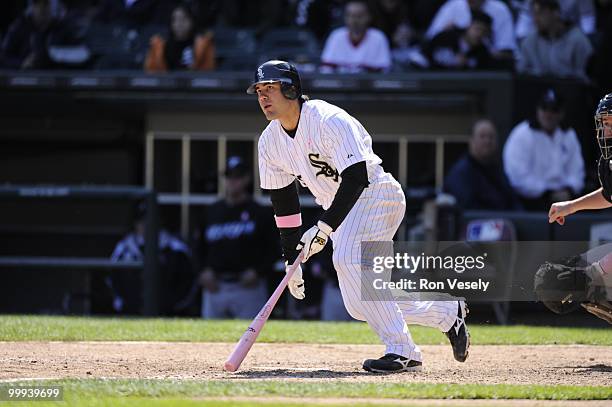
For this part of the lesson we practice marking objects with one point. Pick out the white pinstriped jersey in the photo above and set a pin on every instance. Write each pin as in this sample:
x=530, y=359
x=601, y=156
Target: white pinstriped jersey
x=327, y=141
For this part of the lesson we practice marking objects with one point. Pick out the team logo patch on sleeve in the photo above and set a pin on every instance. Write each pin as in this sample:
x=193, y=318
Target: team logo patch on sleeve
x=324, y=168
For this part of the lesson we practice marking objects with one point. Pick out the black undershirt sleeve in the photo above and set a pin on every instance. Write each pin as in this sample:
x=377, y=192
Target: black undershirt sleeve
x=605, y=178
x=354, y=181
x=285, y=202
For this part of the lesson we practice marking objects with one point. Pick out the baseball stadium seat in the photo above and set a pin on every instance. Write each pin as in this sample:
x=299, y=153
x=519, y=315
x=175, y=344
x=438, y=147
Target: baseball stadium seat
x=298, y=46
x=235, y=49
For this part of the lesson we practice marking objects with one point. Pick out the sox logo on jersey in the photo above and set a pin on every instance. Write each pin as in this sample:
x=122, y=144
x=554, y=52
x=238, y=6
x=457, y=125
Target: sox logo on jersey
x=327, y=141
x=325, y=169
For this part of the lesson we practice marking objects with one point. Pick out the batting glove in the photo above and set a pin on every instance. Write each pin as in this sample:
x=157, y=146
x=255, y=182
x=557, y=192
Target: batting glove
x=296, y=283
x=314, y=240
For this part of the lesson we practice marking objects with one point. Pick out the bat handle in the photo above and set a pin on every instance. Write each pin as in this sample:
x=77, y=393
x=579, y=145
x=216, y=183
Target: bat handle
x=250, y=335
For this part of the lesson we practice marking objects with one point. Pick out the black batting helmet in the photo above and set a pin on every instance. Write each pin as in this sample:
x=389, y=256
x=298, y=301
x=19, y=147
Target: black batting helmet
x=279, y=71
x=604, y=109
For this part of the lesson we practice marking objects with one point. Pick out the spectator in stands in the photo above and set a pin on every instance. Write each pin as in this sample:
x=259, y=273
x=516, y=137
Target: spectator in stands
x=184, y=49
x=574, y=12
x=391, y=17
x=356, y=47
x=477, y=180
x=406, y=49
x=556, y=49
x=238, y=249
x=459, y=48
x=458, y=14
x=176, y=269
x=543, y=159
x=26, y=44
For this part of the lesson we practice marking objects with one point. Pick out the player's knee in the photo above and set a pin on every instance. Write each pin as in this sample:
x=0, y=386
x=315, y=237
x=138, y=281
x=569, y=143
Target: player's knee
x=336, y=260
x=342, y=262
x=354, y=312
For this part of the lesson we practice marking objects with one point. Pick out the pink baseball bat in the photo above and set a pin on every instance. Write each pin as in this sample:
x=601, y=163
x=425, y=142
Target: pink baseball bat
x=250, y=335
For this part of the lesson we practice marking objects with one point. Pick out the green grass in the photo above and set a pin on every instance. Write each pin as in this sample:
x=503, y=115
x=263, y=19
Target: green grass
x=50, y=328
x=98, y=392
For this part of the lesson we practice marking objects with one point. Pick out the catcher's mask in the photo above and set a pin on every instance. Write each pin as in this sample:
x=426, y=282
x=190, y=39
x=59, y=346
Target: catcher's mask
x=604, y=130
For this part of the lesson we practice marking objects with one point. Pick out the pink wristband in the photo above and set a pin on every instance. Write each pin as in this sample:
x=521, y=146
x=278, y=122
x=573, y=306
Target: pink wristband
x=289, y=221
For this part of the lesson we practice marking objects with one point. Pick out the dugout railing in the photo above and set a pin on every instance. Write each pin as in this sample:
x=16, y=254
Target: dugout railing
x=150, y=276
x=185, y=197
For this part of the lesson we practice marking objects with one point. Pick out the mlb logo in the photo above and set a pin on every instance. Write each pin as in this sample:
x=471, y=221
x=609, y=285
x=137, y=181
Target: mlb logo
x=485, y=230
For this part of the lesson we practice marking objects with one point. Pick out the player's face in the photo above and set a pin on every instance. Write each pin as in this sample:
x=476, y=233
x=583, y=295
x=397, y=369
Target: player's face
x=271, y=100
x=606, y=122
x=356, y=17
x=181, y=24
x=542, y=17
x=483, y=144
x=41, y=12
x=236, y=185
x=549, y=119
x=476, y=32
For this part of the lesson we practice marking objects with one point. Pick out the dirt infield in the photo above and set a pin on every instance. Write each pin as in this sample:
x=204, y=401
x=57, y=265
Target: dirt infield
x=545, y=365
x=288, y=401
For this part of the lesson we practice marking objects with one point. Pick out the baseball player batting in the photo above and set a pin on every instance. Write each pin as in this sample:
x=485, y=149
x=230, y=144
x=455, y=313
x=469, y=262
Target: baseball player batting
x=330, y=152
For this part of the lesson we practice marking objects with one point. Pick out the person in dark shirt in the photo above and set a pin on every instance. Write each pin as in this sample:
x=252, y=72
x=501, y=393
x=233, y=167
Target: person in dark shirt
x=26, y=43
x=185, y=48
x=237, y=250
x=175, y=268
x=477, y=180
x=462, y=48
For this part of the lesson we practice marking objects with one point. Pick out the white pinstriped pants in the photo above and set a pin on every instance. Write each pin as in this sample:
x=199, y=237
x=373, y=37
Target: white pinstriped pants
x=377, y=219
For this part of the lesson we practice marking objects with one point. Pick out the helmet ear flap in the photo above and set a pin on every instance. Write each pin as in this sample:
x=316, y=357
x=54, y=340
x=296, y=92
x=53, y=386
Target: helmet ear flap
x=289, y=91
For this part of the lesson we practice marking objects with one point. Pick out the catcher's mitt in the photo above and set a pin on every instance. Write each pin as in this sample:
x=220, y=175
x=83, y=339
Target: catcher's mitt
x=561, y=286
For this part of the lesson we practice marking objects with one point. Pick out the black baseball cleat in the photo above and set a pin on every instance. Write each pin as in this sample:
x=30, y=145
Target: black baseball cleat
x=458, y=335
x=392, y=363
